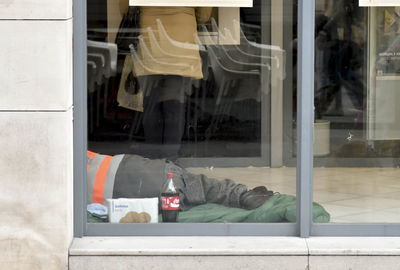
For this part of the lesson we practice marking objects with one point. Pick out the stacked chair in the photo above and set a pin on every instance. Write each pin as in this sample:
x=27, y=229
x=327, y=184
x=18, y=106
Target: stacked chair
x=237, y=70
x=101, y=65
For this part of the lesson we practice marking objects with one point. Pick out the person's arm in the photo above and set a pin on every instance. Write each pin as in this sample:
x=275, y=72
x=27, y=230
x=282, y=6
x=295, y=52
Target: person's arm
x=203, y=14
x=199, y=189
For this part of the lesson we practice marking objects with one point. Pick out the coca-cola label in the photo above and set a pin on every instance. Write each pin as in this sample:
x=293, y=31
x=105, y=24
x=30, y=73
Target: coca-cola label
x=170, y=203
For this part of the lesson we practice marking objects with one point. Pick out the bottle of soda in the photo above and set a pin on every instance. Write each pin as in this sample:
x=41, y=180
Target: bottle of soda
x=169, y=200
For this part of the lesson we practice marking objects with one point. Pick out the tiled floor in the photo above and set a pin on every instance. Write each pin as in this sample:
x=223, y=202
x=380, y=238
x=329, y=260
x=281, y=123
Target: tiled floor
x=350, y=195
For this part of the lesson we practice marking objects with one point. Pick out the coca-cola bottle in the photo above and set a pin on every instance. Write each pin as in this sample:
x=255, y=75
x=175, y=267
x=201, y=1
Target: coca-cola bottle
x=169, y=200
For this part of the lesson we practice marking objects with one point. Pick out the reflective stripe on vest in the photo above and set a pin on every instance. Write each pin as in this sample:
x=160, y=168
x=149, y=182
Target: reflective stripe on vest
x=90, y=155
x=100, y=180
x=101, y=177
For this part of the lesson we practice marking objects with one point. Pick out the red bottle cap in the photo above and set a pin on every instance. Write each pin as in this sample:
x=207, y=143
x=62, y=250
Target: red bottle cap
x=170, y=175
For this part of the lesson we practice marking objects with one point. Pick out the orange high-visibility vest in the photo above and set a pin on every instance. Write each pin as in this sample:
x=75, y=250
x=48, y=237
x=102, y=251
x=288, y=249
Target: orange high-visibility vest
x=101, y=170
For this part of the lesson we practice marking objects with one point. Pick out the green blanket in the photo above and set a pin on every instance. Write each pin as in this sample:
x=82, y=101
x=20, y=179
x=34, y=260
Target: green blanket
x=278, y=208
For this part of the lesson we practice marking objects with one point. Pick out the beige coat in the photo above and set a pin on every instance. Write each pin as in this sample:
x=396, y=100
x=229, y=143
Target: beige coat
x=169, y=47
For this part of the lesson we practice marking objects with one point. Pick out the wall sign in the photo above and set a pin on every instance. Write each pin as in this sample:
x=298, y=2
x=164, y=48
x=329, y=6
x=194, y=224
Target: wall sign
x=192, y=3
x=379, y=3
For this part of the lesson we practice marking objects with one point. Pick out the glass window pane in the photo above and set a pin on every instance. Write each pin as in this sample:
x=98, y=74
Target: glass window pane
x=203, y=93
x=357, y=127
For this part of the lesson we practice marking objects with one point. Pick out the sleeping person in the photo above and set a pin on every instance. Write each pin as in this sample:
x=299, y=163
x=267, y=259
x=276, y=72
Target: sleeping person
x=133, y=176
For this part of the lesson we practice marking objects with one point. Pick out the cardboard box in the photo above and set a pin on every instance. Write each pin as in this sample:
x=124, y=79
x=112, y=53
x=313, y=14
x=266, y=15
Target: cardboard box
x=119, y=208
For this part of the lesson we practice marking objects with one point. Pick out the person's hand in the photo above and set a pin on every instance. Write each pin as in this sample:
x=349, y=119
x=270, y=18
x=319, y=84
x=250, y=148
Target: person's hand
x=255, y=198
x=131, y=84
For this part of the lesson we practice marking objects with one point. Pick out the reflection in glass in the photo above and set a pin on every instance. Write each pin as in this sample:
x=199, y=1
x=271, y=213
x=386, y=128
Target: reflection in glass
x=186, y=92
x=356, y=134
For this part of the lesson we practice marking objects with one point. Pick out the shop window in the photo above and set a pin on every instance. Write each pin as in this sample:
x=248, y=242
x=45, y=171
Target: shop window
x=210, y=94
x=357, y=117
x=186, y=89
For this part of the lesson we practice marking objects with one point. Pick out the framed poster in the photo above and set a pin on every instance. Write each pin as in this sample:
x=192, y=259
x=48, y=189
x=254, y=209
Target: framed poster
x=388, y=41
x=192, y=3
x=228, y=13
x=379, y=3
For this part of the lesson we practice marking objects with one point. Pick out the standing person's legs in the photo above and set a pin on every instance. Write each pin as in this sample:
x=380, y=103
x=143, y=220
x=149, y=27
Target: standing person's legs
x=153, y=122
x=173, y=109
x=174, y=122
x=164, y=113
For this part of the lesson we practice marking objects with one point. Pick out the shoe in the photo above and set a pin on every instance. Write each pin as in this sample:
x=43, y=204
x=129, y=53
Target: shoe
x=255, y=198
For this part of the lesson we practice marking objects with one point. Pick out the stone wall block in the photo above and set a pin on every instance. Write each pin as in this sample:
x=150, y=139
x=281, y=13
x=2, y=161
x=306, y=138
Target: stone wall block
x=36, y=199
x=35, y=9
x=36, y=65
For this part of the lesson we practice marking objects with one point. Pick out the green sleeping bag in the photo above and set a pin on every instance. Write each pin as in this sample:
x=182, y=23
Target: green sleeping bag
x=278, y=208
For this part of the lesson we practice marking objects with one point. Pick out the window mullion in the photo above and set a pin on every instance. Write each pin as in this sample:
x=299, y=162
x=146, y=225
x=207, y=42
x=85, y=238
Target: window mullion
x=79, y=116
x=305, y=115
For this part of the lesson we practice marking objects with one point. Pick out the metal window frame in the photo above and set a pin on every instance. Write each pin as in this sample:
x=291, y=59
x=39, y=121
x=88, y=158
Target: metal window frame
x=357, y=229
x=305, y=118
x=81, y=227
x=79, y=115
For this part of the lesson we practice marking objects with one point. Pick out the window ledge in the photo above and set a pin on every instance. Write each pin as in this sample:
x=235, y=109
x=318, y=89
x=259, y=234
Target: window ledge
x=184, y=246
x=239, y=246
x=354, y=246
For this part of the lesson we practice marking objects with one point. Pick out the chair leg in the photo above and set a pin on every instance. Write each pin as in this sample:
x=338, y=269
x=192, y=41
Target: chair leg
x=135, y=124
x=91, y=113
x=211, y=128
x=188, y=118
x=105, y=97
x=98, y=107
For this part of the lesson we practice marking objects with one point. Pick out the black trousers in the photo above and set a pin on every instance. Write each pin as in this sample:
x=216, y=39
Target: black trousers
x=139, y=177
x=164, y=114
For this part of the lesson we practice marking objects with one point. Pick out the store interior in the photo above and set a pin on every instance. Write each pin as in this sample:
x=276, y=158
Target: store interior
x=245, y=130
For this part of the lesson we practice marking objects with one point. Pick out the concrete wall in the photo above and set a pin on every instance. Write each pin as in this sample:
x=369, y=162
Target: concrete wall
x=35, y=133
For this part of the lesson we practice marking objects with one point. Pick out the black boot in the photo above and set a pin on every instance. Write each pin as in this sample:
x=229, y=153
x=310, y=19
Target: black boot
x=255, y=198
